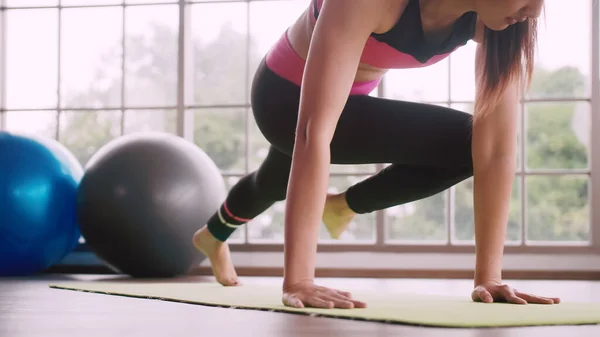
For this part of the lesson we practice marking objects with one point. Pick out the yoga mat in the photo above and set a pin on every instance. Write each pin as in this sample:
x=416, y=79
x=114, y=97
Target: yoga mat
x=388, y=307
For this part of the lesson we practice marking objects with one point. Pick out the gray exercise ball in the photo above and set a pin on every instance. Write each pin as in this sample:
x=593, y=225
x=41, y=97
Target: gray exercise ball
x=141, y=199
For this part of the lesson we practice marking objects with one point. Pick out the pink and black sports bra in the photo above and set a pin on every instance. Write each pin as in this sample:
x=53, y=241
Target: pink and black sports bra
x=404, y=45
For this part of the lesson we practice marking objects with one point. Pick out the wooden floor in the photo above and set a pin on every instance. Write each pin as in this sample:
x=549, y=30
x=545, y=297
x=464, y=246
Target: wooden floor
x=28, y=307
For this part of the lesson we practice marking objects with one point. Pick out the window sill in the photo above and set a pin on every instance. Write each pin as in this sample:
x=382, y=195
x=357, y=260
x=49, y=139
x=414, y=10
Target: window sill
x=389, y=265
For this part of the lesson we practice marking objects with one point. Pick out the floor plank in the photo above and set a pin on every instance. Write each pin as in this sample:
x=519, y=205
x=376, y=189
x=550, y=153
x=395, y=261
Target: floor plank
x=28, y=308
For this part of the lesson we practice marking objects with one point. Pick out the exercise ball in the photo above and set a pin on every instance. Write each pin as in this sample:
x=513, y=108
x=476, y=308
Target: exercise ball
x=141, y=199
x=39, y=178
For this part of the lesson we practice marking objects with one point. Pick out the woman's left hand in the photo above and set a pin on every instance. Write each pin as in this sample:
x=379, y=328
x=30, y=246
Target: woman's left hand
x=489, y=292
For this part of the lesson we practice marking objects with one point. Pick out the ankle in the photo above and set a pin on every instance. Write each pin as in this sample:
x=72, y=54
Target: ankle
x=342, y=206
x=205, y=235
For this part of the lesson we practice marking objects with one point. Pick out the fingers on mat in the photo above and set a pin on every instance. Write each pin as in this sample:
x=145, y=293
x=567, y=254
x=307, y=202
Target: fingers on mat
x=483, y=295
x=293, y=301
x=537, y=299
x=317, y=302
x=511, y=297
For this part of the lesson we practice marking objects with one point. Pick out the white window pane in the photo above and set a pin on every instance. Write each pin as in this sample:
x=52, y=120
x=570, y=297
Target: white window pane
x=150, y=120
x=220, y=41
x=427, y=84
x=419, y=221
x=564, y=50
x=149, y=1
x=464, y=221
x=464, y=107
x=39, y=122
x=30, y=3
x=558, y=208
x=151, y=55
x=221, y=133
x=89, y=2
x=266, y=28
x=558, y=73
x=259, y=146
x=85, y=132
x=91, y=57
x=268, y=226
x=558, y=135
x=31, y=58
x=462, y=73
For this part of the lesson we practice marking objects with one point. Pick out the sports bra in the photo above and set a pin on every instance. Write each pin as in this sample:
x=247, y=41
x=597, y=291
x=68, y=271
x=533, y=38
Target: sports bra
x=397, y=49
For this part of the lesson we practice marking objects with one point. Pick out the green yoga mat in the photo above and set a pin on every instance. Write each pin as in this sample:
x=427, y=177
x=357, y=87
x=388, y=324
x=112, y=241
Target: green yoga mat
x=403, y=308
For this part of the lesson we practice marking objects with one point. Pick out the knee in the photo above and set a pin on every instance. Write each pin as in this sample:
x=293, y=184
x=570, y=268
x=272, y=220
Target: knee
x=462, y=169
x=456, y=139
x=466, y=157
x=271, y=185
x=458, y=156
x=467, y=171
x=465, y=165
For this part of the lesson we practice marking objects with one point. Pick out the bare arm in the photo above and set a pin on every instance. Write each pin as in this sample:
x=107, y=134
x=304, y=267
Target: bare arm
x=333, y=58
x=494, y=162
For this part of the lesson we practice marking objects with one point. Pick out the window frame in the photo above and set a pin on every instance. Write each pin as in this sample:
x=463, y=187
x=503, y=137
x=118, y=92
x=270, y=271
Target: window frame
x=185, y=129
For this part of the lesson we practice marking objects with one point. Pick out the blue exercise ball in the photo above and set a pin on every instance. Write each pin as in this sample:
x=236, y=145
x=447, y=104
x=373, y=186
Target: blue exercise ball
x=39, y=179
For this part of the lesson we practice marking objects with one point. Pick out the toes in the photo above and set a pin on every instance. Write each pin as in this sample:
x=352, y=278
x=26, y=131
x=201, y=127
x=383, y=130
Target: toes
x=230, y=282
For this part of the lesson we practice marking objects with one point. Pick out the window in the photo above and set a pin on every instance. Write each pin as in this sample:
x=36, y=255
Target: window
x=87, y=71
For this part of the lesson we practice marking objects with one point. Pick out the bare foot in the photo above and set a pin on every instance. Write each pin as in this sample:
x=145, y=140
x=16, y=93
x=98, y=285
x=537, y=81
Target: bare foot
x=337, y=216
x=219, y=256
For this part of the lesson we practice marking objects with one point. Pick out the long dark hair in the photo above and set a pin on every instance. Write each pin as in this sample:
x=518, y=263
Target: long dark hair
x=509, y=56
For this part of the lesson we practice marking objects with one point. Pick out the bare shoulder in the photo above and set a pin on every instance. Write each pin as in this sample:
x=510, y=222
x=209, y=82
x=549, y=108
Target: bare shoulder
x=479, y=31
x=381, y=15
x=390, y=11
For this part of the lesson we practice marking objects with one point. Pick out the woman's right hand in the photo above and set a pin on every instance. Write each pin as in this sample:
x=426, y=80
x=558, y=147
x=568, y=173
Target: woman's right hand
x=307, y=294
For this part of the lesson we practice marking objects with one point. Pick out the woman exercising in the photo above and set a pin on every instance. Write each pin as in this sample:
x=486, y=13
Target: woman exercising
x=310, y=100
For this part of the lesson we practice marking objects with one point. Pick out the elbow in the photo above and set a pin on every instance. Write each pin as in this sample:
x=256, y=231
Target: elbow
x=495, y=157
x=494, y=148
x=302, y=137
x=310, y=134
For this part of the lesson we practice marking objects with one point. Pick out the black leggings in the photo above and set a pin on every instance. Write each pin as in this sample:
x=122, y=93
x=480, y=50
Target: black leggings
x=428, y=147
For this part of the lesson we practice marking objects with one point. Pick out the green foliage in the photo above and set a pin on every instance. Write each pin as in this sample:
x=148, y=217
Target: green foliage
x=557, y=207
x=551, y=143
x=563, y=82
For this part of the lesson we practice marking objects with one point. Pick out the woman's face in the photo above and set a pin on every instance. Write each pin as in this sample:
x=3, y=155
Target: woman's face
x=499, y=14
